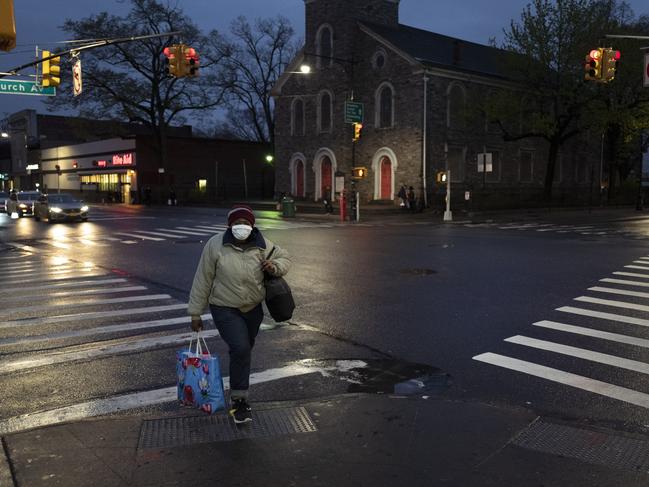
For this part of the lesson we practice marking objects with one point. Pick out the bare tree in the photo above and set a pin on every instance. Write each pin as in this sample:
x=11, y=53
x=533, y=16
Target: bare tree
x=254, y=58
x=130, y=82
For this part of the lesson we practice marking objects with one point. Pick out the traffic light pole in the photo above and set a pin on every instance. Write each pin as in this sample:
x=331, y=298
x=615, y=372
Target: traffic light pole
x=105, y=42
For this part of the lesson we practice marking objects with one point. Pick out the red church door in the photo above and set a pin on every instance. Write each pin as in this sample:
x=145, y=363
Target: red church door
x=386, y=179
x=299, y=179
x=325, y=178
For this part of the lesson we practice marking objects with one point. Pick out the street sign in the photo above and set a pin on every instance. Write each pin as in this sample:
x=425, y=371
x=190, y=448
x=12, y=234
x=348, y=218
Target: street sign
x=15, y=87
x=353, y=112
x=76, y=78
x=646, y=71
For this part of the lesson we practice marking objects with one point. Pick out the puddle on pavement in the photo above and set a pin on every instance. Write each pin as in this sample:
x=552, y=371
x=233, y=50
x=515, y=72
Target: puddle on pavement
x=401, y=378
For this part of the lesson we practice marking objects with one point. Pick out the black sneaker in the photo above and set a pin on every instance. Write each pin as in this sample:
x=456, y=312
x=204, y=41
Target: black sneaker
x=240, y=411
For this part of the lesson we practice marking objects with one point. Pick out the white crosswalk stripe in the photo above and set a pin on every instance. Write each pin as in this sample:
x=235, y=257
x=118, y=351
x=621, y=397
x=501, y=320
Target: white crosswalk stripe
x=604, y=330
x=143, y=237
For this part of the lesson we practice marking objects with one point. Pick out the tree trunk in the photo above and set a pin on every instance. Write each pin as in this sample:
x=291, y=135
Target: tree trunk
x=549, y=174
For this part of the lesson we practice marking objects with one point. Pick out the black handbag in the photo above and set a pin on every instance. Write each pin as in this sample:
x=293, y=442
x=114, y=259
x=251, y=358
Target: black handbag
x=279, y=299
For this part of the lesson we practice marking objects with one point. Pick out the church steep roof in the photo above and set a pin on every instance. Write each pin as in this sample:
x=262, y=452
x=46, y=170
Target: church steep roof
x=437, y=50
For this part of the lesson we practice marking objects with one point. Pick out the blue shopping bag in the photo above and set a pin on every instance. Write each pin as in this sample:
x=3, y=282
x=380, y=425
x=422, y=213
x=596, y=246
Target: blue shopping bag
x=200, y=384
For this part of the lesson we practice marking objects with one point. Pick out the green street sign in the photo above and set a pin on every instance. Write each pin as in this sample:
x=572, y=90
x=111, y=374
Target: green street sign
x=353, y=112
x=15, y=87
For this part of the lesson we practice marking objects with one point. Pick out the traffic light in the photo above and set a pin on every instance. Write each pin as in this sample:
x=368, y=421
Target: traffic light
x=610, y=59
x=51, y=69
x=359, y=172
x=593, y=66
x=189, y=61
x=441, y=177
x=358, y=129
x=58, y=169
x=172, y=55
x=7, y=25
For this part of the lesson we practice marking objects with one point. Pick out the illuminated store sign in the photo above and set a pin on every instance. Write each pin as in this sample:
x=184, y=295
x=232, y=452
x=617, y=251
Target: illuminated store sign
x=117, y=160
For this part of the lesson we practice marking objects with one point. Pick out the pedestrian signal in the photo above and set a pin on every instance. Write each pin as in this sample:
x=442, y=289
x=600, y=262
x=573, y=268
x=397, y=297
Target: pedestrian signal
x=441, y=177
x=359, y=172
x=7, y=25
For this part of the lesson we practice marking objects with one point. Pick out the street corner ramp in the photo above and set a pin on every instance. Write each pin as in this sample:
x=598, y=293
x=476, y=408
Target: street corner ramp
x=615, y=450
x=389, y=376
x=185, y=431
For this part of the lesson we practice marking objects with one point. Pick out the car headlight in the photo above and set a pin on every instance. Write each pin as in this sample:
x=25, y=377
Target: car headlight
x=55, y=209
x=22, y=205
x=84, y=209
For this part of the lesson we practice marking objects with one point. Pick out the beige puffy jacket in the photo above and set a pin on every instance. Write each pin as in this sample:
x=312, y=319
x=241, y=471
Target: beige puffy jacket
x=228, y=275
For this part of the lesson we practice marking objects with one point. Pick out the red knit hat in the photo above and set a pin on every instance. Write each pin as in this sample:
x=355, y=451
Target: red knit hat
x=241, y=211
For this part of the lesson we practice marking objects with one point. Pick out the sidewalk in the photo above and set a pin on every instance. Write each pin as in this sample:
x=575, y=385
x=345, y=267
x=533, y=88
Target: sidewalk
x=349, y=440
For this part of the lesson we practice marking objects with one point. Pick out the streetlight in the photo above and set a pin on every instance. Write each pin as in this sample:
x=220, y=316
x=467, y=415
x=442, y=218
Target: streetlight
x=269, y=158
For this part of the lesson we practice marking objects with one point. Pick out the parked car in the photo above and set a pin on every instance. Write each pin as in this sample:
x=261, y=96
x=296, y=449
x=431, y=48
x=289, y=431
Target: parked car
x=23, y=204
x=4, y=196
x=59, y=207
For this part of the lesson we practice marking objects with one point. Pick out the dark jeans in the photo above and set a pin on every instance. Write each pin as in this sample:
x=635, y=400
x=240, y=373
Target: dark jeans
x=239, y=331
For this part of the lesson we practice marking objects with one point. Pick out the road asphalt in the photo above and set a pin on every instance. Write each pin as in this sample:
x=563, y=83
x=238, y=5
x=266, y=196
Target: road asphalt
x=404, y=437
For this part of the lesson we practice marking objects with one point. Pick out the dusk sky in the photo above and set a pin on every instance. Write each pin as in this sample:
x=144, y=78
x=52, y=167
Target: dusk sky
x=37, y=22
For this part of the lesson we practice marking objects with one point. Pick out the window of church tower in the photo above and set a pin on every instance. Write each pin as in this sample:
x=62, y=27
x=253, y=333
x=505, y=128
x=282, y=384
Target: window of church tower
x=297, y=117
x=324, y=112
x=324, y=47
x=378, y=61
x=385, y=106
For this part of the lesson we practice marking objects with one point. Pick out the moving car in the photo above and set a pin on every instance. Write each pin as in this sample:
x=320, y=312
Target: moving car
x=4, y=196
x=24, y=204
x=59, y=207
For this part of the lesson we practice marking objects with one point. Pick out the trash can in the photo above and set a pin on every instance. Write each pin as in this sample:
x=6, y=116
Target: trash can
x=288, y=207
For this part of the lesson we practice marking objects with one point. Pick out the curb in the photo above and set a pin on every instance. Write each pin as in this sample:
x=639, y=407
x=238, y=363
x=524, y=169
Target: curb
x=6, y=475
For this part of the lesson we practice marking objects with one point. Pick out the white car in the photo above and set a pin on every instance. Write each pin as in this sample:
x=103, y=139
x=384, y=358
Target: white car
x=59, y=207
x=23, y=204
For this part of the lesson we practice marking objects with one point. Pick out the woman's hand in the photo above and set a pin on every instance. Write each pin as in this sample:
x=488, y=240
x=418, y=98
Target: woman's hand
x=268, y=266
x=197, y=324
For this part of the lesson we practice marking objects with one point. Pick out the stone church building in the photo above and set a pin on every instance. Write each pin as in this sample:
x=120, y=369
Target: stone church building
x=416, y=88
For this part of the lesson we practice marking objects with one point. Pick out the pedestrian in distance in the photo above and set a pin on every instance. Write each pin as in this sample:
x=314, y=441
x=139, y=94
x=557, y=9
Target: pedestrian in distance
x=402, y=196
x=412, y=200
x=172, y=198
x=230, y=279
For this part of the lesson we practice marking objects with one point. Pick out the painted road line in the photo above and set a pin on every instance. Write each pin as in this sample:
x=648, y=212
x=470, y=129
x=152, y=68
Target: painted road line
x=96, y=350
x=56, y=244
x=87, y=302
x=577, y=381
x=622, y=292
x=591, y=356
x=128, y=242
x=100, y=330
x=58, y=278
x=631, y=274
x=604, y=316
x=644, y=262
x=100, y=407
x=77, y=292
x=106, y=237
x=159, y=234
x=43, y=274
x=40, y=271
x=91, y=243
x=518, y=227
x=212, y=227
x=91, y=315
x=615, y=304
x=182, y=232
x=22, y=264
x=636, y=267
x=143, y=237
x=604, y=335
x=628, y=283
x=14, y=256
x=27, y=248
x=207, y=232
x=32, y=289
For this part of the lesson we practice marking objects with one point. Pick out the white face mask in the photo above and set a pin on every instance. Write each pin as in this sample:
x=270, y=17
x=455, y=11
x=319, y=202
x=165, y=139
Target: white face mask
x=241, y=232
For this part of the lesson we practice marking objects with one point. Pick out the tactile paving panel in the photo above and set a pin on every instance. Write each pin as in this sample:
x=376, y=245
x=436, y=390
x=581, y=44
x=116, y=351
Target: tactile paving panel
x=183, y=431
x=594, y=447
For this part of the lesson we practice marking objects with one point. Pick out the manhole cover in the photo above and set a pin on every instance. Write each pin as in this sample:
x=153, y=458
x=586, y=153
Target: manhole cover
x=418, y=272
x=586, y=445
x=183, y=431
